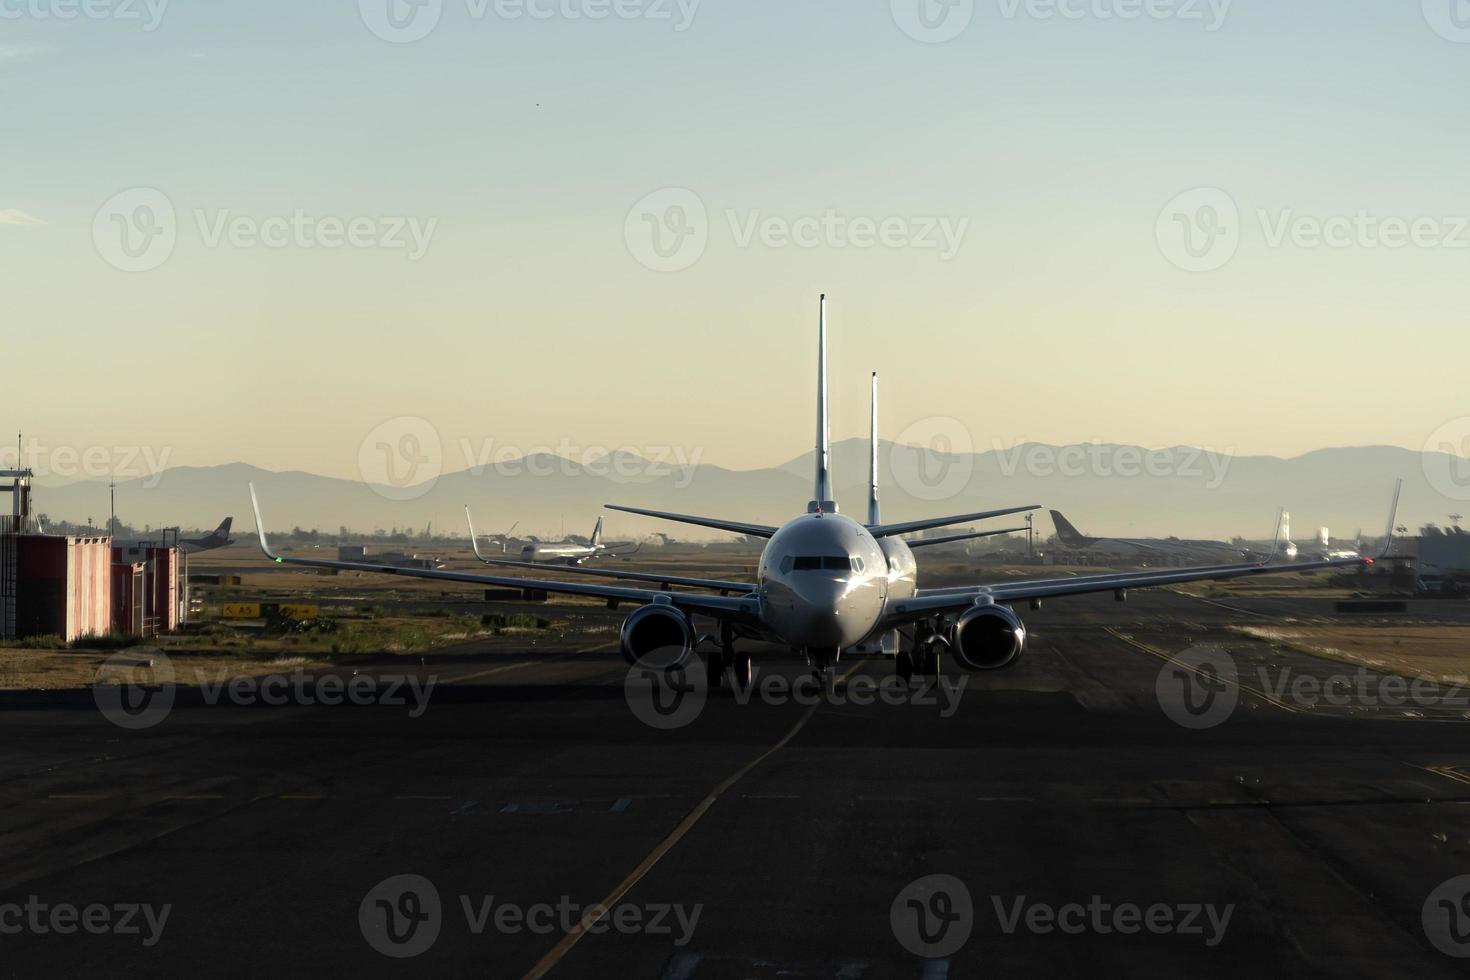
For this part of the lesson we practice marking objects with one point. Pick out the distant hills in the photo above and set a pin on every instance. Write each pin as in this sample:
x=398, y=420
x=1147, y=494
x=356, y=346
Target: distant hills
x=1116, y=490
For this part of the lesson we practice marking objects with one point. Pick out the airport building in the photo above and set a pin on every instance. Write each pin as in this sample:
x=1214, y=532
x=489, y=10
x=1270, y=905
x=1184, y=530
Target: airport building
x=72, y=586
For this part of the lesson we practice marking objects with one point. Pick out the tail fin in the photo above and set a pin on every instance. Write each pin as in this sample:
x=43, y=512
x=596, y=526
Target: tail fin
x=597, y=534
x=874, y=517
x=223, y=531
x=823, y=502
x=1069, y=534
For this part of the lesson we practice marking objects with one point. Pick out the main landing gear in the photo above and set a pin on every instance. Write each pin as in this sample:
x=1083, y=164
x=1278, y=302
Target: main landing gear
x=923, y=658
x=727, y=660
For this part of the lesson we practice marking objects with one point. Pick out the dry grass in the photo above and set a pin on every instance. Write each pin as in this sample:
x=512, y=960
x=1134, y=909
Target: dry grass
x=1434, y=652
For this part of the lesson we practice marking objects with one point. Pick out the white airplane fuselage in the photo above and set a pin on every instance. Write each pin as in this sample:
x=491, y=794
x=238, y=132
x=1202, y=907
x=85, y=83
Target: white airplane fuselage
x=823, y=582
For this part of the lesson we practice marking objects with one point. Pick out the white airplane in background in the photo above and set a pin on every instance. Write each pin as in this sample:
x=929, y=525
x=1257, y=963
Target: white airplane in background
x=825, y=585
x=570, y=552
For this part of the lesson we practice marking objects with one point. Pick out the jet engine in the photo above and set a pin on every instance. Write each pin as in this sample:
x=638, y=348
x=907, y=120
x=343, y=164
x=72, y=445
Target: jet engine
x=658, y=636
x=987, y=638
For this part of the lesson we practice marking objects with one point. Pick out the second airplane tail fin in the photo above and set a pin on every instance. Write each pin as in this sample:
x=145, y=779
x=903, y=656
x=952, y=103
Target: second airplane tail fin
x=597, y=534
x=1068, y=534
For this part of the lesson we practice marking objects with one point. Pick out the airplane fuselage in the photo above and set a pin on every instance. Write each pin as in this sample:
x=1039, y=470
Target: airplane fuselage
x=823, y=582
x=557, y=552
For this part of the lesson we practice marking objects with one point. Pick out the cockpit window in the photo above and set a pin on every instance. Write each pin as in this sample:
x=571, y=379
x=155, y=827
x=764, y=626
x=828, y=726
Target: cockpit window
x=820, y=563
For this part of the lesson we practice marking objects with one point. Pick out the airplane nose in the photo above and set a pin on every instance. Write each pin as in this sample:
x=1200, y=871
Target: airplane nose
x=822, y=623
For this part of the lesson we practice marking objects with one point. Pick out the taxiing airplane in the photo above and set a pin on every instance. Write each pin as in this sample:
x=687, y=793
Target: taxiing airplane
x=825, y=585
x=218, y=538
x=1146, y=548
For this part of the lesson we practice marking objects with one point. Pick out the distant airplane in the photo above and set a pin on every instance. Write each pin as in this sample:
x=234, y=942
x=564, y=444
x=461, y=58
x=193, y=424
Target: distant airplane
x=218, y=538
x=1146, y=548
x=823, y=586
x=538, y=552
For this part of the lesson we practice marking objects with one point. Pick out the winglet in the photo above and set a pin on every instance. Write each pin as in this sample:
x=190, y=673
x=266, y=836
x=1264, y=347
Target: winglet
x=474, y=539
x=1393, y=519
x=260, y=528
x=1276, y=537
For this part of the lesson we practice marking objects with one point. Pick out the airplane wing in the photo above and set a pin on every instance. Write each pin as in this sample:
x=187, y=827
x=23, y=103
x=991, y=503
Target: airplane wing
x=720, y=607
x=737, y=527
x=952, y=538
x=719, y=585
x=926, y=604
x=888, y=530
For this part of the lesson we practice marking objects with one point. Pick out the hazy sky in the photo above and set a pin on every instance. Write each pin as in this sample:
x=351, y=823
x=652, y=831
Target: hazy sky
x=1051, y=148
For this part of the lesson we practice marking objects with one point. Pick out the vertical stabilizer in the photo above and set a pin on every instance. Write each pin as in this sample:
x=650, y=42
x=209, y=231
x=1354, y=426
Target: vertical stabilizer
x=597, y=534
x=823, y=502
x=874, y=517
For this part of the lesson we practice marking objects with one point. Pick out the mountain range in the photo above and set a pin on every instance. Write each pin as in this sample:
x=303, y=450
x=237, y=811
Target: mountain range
x=1103, y=489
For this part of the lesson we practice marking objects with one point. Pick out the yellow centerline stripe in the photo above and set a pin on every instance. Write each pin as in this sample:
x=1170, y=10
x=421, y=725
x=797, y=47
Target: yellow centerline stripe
x=570, y=940
x=1169, y=658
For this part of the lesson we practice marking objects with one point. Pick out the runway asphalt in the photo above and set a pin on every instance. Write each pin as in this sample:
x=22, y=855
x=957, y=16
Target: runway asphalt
x=1145, y=794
